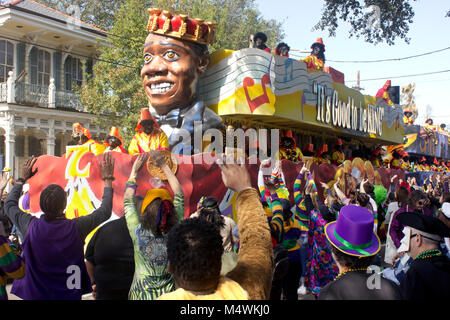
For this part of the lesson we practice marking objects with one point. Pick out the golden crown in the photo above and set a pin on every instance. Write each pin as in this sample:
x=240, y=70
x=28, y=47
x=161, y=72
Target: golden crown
x=181, y=26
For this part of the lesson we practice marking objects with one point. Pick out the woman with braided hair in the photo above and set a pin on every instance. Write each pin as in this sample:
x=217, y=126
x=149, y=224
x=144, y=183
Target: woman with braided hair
x=149, y=220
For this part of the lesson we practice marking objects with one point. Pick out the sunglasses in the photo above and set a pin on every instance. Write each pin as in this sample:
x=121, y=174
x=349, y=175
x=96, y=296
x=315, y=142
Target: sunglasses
x=420, y=203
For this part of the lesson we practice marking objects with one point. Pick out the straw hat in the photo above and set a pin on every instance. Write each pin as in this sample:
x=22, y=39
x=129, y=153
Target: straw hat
x=171, y=161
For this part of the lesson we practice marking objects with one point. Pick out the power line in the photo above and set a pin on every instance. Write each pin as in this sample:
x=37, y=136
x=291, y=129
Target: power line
x=404, y=76
x=391, y=59
x=73, y=53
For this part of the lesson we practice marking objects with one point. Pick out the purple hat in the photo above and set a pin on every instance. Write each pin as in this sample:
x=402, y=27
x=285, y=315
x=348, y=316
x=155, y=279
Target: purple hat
x=352, y=233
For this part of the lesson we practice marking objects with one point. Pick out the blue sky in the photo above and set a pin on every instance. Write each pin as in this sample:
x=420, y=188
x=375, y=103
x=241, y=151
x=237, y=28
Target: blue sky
x=428, y=32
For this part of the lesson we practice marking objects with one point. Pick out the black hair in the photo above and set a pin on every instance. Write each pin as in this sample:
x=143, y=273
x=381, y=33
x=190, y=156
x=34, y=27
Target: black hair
x=260, y=35
x=321, y=55
x=148, y=219
x=351, y=262
x=368, y=188
x=287, y=213
x=53, y=201
x=281, y=45
x=194, y=250
x=210, y=212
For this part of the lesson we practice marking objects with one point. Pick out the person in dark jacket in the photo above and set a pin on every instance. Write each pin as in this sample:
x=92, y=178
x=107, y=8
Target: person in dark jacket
x=354, y=244
x=428, y=277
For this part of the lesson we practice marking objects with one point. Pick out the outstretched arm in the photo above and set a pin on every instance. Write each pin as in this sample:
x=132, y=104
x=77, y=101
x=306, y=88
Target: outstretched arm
x=178, y=201
x=255, y=260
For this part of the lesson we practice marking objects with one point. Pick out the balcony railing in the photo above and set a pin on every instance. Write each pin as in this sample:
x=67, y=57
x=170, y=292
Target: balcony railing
x=3, y=92
x=36, y=95
x=31, y=94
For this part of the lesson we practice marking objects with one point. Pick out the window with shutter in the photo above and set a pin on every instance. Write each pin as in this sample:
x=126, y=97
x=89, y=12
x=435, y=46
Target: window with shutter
x=39, y=67
x=57, y=68
x=73, y=73
x=6, y=59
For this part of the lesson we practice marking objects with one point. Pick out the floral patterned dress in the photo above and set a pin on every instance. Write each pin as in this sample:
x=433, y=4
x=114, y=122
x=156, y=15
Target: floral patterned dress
x=320, y=266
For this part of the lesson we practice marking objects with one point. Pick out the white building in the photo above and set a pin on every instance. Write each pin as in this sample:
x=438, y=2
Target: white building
x=43, y=55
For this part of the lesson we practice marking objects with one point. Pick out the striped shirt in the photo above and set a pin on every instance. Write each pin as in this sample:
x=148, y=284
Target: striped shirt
x=11, y=266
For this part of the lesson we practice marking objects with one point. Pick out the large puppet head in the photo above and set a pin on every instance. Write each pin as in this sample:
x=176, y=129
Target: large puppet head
x=175, y=54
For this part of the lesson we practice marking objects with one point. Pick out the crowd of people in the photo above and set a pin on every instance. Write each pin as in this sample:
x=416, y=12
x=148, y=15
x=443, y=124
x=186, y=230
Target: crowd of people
x=278, y=249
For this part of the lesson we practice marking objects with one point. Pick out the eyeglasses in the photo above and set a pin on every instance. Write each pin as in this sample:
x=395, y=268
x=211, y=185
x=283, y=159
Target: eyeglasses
x=412, y=236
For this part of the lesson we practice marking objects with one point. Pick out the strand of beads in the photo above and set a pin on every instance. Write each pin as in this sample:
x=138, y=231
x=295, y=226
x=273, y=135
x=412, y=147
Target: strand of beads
x=349, y=270
x=429, y=254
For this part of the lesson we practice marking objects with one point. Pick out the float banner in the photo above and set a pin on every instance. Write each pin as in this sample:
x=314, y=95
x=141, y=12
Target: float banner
x=79, y=174
x=420, y=143
x=275, y=91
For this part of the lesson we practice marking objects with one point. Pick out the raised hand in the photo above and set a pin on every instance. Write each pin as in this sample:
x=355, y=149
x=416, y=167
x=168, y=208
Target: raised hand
x=26, y=171
x=107, y=166
x=4, y=180
x=235, y=176
x=157, y=158
x=138, y=164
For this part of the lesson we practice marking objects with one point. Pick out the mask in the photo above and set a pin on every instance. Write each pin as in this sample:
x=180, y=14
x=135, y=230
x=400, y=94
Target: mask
x=404, y=246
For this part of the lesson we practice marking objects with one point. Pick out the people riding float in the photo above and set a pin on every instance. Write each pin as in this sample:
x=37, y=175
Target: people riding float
x=114, y=141
x=384, y=93
x=376, y=158
x=282, y=49
x=260, y=40
x=83, y=137
x=408, y=117
x=338, y=156
x=430, y=130
x=289, y=149
x=397, y=159
x=308, y=150
x=175, y=55
x=148, y=136
x=322, y=155
x=316, y=60
x=428, y=276
x=441, y=129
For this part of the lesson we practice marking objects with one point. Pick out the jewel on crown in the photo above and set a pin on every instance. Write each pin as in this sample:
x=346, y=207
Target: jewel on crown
x=181, y=26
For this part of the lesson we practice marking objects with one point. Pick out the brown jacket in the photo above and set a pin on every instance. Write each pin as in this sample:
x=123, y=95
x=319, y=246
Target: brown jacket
x=255, y=262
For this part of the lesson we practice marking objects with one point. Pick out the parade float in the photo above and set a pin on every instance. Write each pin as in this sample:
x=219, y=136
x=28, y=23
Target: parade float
x=248, y=87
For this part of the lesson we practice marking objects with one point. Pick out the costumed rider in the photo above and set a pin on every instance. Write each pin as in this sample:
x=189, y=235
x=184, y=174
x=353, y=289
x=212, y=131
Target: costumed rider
x=442, y=129
x=148, y=136
x=430, y=130
x=260, y=40
x=175, y=56
x=289, y=149
x=376, y=158
x=282, y=49
x=428, y=277
x=316, y=60
x=396, y=159
x=114, y=141
x=322, y=155
x=82, y=137
x=338, y=157
x=408, y=117
x=384, y=93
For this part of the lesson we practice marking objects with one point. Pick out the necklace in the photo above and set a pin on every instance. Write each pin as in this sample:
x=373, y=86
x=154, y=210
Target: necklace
x=346, y=270
x=429, y=254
